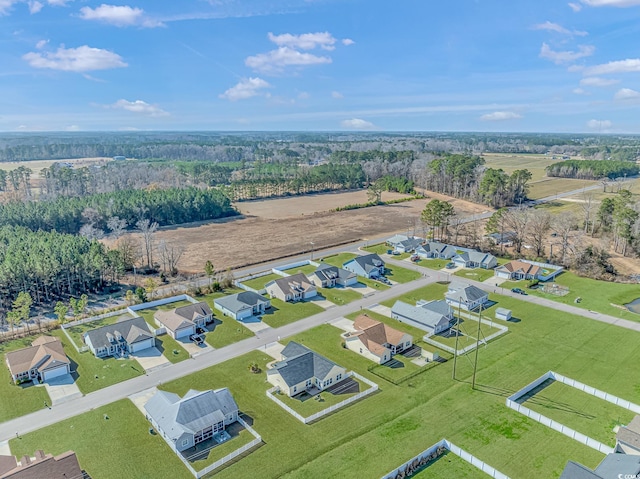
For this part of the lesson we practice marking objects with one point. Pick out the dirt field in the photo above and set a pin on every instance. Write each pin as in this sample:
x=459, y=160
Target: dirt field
x=38, y=165
x=278, y=227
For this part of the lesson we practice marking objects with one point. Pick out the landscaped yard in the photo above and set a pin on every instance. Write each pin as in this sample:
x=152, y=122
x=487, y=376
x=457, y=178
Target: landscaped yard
x=595, y=295
x=306, y=269
x=436, y=264
x=339, y=295
x=171, y=348
x=383, y=248
x=15, y=400
x=475, y=274
x=467, y=335
x=258, y=283
x=282, y=313
x=580, y=411
x=401, y=275
x=431, y=292
x=239, y=437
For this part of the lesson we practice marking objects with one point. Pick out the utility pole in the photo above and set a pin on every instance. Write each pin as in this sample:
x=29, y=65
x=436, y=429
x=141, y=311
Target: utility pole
x=455, y=352
x=475, y=364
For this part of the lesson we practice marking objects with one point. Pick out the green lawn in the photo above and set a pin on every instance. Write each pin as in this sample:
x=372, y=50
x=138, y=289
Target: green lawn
x=401, y=275
x=282, y=313
x=224, y=330
x=447, y=466
x=339, y=295
x=15, y=400
x=434, y=263
x=168, y=346
x=431, y=292
x=98, y=441
x=467, y=336
x=339, y=259
x=596, y=295
x=383, y=248
x=475, y=274
x=258, y=283
x=109, y=371
x=396, y=369
x=580, y=411
x=76, y=332
x=306, y=269
x=377, y=285
x=239, y=437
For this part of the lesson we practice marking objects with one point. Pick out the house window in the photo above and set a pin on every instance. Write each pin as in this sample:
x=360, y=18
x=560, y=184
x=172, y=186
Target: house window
x=295, y=388
x=309, y=383
x=339, y=377
x=185, y=442
x=360, y=350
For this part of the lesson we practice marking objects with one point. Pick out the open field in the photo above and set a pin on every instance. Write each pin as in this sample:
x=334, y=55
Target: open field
x=536, y=164
x=553, y=186
x=282, y=313
x=281, y=227
x=38, y=165
x=376, y=435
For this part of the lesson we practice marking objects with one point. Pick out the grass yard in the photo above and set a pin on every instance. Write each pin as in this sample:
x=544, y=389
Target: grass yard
x=76, y=332
x=224, y=330
x=383, y=248
x=282, y=313
x=168, y=346
x=475, y=274
x=258, y=283
x=306, y=269
x=98, y=442
x=109, y=371
x=467, y=336
x=398, y=368
x=434, y=263
x=373, y=284
x=401, y=275
x=239, y=437
x=338, y=259
x=339, y=295
x=431, y=292
x=447, y=466
x=596, y=295
x=15, y=400
x=578, y=410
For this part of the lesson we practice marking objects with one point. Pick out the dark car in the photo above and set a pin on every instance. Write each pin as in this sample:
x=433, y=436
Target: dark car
x=450, y=265
x=196, y=338
x=518, y=291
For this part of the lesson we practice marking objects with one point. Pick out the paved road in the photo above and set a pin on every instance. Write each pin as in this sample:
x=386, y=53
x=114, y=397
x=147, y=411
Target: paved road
x=46, y=417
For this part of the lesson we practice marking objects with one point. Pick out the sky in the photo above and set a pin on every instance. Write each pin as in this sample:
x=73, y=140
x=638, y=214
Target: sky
x=320, y=65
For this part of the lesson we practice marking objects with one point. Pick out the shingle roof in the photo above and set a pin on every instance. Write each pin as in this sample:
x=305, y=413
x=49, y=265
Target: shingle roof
x=46, y=353
x=132, y=330
x=377, y=331
x=300, y=364
x=240, y=301
x=619, y=465
x=466, y=292
x=44, y=466
x=428, y=314
x=368, y=262
x=296, y=283
x=171, y=320
x=520, y=266
x=194, y=412
x=397, y=239
x=573, y=470
x=333, y=272
x=630, y=434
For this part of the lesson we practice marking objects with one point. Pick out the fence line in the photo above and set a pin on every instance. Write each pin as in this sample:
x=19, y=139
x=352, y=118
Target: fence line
x=598, y=393
x=502, y=330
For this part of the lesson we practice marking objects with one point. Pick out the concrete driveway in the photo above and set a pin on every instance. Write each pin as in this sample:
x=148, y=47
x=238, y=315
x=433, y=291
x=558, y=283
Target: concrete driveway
x=273, y=349
x=62, y=389
x=343, y=323
x=255, y=325
x=383, y=310
x=361, y=288
x=192, y=348
x=151, y=359
x=141, y=398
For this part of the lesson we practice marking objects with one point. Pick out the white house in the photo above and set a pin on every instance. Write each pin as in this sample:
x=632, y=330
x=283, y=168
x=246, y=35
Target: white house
x=375, y=340
x=296, y=287
x=328, y=276
x=474, y=259
x=242, y=305
x=628, y=437
x=431, y=316
x=369, y=266
x=409, y=245
x=465, y=296
x=128, y=336
x=44, y=360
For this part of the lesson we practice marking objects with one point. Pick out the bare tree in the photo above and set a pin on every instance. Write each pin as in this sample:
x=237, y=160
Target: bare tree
x=456, y=224
x=562, y=225
x=91, y=232
x=516, y=220
x=170, y=255
x=586, y=205
x=147, y=229
x=116, y=226
x=538, y=227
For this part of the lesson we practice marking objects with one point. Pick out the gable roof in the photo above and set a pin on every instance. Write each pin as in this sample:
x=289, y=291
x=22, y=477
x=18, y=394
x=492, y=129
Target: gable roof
x=377, y=331
x=171, y=320
x=574, y=470
x=475, y=256
x=367, y=262
x=396, y=239
x=194, y=412
x=194, y=310
x=619, y=465
x=465, y=292
x=240, y=301
x=516, y=266
x=411, y=243
x=296, y=283
x=42, y=466
x=329, y=272
x=428, y=314
x=45, y=353
x=132, y=331
x=301, y=364
x=630, y=434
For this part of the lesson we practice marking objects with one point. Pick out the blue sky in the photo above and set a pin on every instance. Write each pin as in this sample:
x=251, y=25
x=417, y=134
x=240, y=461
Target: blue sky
x=406, y=65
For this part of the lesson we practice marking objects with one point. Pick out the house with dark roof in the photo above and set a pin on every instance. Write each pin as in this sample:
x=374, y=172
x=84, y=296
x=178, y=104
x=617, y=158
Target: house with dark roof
x=182, y=322
x=369, y=266
x=127, y=336
x=188, y=421
x=375, y=340
x=295, y=287
x=242, y=305
x=441, y=251
x=474, y=259
x=628, y=437
x=465, y=296
x=409, y=245
x=395, y=240
x=41, y=466
x=504, y=239
x=613, y=466
x=431, y=316
x=328, y=276
x=44, y=360
x=302, y=369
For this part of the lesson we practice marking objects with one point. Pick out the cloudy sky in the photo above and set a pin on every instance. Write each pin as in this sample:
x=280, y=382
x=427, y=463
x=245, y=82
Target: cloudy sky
x=404, y=65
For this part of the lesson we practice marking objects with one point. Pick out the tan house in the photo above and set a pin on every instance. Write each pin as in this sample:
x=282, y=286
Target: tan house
x=182, y=322
x=628, y=437
x=296, y=287
x=44, y=360
x=376, y=341
x=518, y=270
x=41, y=466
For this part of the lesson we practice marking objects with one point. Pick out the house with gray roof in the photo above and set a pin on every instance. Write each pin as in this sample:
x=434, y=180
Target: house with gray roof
x=295, y=287
x=328, y=276
x=431, y=316
x=474, y=259
x=395, y=240
x=302, y=369
x=242, y=305
x=465, y=296
x=613, y=466
x=128, y=336
x=628, y=437
x=369, y=266
x=441, y=251
x=197, y=417
x=409, y=245
x=182, y=322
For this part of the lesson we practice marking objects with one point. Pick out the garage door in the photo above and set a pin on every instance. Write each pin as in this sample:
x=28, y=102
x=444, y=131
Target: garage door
x=55, y=373
x=185, y=332
x=142, y=345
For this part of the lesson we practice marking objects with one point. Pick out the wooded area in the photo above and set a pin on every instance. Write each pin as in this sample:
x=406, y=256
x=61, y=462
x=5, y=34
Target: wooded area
x=593, y=169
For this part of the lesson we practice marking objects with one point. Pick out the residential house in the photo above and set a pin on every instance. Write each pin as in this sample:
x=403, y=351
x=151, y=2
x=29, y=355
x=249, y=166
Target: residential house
x=613, y=466
x=242, y=305
x=296, y=287
x=369, y=266
x=465, y=296
x=431, y=316
x=474, y=259
x=183, y=321
x=376, y=341
x=409, y=245
x=441, y=250
x=328, y=276
x=44, y=360
x=518, y=270
x=41, y=466
x=302, y=369
x=395, y=240
x=628, y=437
x=127, y=336
x=188, y=421
x=504, y=239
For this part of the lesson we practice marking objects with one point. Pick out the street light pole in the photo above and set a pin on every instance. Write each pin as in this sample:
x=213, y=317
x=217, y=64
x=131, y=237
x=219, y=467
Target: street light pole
x=475, y=364
x=455, y=352
x=312, y=250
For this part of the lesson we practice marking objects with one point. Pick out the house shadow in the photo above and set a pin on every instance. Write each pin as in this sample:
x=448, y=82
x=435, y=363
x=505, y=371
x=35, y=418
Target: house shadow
x=393, y=364
x=202, y=450
x=513, y=319
x=268, y=312
x=487, y=305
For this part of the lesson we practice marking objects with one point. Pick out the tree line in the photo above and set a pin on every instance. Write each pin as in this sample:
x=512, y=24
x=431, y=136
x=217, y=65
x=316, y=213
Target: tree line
x=593, y=169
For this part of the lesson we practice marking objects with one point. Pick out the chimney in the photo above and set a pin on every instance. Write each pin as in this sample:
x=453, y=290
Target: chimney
x=39, y=455
x=25, y=461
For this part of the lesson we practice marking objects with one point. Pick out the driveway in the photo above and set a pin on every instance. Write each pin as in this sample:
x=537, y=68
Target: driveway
x=323, y=303
x=4, y=449
x=141, y=398
x=255, y=325
x=343, y=323
x=495, y=281
x=62, y=389
x=361, y=288
x=383, y=310
x=151, y=359
x=192, y=348
x=273, y=349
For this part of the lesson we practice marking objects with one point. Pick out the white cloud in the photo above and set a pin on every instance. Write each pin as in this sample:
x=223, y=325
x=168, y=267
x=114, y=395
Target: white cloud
x=35, y=6
x=306, y=41
x=554, y=27
x=347, y=41
x=120, y=16
x=500, y=116
x=357, y=124
x=626, y=94
x=620, y=66
x=276, y=60
x=81, y=59
x=576, y=7
x=5, y=6
x=611, y=3
x=72, y=128
x=580, y=91
x=303, y=95
x=565, y=56
x=337, y=95
x=245, y=88
x=41, y=44
x=597, y=81
x=58, y=3
x=599, y=125
x=139, y=106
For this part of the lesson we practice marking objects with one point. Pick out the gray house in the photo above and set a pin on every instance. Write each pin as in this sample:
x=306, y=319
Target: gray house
x=198, y=416
x=296, y=287
x=369, y=266
x=242, y=305
x=431, y=316
x=465, y=296
x=328, y=276
x=475, y=259
x=128, y=336
x=434, y=249
x=409, y=245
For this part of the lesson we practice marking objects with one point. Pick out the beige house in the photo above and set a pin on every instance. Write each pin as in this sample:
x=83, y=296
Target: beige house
x=296, y=287
x=41, y=466
x=628, y=437
x=376, y=341
x=182, y=322
x=44, y=360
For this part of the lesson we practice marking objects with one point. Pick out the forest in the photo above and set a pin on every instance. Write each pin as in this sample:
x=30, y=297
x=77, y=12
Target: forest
x=593, y=169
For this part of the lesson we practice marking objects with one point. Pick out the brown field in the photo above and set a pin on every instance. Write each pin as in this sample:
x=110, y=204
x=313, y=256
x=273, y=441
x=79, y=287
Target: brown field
x=38, y=165
x=277, y=228
x=553, y=186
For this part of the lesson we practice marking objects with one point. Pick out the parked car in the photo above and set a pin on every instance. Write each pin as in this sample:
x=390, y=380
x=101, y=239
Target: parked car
x=396, y=253
x=415, y=258
x=518, y=291
x=450, y=265
x=200, y=330
x=196, y=338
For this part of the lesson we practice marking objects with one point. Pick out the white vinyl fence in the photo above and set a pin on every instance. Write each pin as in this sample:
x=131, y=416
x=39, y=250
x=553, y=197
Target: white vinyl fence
x=501, y=330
